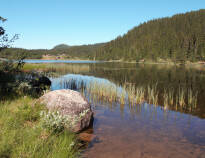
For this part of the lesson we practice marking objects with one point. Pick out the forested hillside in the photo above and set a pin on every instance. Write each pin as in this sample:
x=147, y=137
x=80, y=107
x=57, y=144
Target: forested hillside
x=13, y=53
x=179, y=38
x=62, y=46
x=82, y=51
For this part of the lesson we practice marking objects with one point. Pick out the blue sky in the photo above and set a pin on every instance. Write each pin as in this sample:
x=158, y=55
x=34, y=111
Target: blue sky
x=46, y=23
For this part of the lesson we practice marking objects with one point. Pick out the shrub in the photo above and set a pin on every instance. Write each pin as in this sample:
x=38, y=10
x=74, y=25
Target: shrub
x=56, y=122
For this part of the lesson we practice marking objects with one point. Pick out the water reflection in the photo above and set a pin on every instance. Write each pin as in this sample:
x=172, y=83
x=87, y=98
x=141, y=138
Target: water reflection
x=166, y=76
x=143, y=130
x=99, y=89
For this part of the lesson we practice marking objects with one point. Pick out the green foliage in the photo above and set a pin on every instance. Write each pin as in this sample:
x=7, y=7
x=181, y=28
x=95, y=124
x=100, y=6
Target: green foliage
x=4, y=39
x=69, y=52
x=179, y=38
x=62, y=46
x=53, y=121
x=8, y=68
x=56, y=122
x=13, y=53
x=21, y=134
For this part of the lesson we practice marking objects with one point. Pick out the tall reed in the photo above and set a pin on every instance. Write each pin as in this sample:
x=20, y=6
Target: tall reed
x=133, y=95
x=168, y=97
x=152, y=94
x=140, y=95
x=181, y=97
x=192, y=98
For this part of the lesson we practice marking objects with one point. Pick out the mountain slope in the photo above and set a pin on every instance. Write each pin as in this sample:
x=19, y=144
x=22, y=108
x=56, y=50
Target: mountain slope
x=181, y=37
x=82, y=51
x=61, y=46
x=177, y=38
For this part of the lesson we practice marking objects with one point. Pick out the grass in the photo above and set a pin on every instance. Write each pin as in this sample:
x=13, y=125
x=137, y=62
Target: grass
x=140, y=95
x=168, y=97
x=192, y=99
x=127, y=93
x=57, y=67
x=181, y=98
x=21, y=133
x=131, y=94
x=105, y=91
x=152, y=94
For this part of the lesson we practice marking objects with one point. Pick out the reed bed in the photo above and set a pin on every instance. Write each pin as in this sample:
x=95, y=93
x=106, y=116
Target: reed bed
x=111, y=92
x=71, y=68
x=103, y=90
x=131, y=94
x=183, y=98
x=58, y=67
x=192, y=99
x=139, y=95
x=152, y=94
x=168, y=97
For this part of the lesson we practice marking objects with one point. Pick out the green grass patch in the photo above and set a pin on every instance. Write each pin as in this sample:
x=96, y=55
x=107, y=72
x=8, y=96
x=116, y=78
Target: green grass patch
x=21, y=133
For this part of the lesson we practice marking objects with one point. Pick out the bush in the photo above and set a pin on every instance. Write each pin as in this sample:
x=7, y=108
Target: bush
x=55, y=122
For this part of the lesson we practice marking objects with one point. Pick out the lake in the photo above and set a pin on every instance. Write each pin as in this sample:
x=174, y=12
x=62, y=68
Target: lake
x=125, y=128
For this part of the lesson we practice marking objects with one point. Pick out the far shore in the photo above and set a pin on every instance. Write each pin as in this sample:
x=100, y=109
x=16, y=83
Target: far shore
x=187, y=63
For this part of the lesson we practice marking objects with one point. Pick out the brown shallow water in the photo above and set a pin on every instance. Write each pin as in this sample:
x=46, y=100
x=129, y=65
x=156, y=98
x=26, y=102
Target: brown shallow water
x=152, y=133
x=144, y=131
x=146, y=135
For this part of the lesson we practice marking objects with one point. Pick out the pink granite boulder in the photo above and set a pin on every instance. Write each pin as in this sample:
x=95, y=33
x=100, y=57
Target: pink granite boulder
x=71, y=104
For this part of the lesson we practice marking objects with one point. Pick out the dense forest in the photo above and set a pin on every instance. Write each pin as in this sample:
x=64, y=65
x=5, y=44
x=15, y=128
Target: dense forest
x=69, y=52
x=82, y=51
x=177, y=38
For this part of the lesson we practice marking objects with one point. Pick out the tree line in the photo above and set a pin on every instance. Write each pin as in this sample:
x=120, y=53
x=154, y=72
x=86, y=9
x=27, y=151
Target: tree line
x=177, y=38
x=81, y=51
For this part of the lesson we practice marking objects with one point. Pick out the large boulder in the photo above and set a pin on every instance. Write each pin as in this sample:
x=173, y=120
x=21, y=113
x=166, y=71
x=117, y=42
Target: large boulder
x=71, y=104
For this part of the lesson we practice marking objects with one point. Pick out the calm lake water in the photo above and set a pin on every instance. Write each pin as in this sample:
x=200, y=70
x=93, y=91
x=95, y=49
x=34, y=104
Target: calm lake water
x=144, y=130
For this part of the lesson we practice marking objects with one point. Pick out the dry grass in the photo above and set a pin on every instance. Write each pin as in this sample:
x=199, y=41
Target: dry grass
x=183, y=98
x=57, y=67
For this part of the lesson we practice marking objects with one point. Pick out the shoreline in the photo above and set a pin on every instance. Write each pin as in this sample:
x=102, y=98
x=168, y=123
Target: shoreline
x=187, y=63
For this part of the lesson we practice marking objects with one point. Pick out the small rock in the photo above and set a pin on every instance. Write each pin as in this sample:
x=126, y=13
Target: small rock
x=86, y=137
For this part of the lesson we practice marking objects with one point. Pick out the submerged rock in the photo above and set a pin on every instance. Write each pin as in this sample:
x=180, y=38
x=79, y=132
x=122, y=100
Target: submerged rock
x=86, y=137
x=33, y=84
x=71, y=104
x=39, y=81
